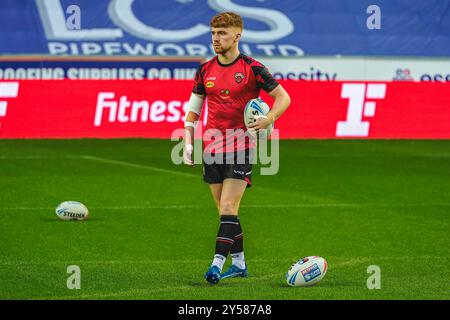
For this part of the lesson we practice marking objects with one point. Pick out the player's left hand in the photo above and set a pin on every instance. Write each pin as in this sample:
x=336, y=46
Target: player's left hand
x=261, y=122
x=187, y=155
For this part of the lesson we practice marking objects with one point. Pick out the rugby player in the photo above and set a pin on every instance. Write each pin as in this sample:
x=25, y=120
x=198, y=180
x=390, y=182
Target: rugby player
x=228, y=81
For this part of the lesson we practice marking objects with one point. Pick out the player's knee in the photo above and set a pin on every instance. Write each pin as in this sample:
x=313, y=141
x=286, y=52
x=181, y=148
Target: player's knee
x=228, y=207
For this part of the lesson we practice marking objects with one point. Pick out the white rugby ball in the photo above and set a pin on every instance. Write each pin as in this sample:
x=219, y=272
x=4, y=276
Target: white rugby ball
x=257, y=107
x=307, y=271
x=72, y=210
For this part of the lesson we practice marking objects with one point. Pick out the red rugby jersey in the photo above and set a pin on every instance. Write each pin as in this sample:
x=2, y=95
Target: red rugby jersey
x=228, y=88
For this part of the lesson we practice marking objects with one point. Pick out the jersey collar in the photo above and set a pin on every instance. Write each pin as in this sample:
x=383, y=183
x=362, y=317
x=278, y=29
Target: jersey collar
x=229, y=64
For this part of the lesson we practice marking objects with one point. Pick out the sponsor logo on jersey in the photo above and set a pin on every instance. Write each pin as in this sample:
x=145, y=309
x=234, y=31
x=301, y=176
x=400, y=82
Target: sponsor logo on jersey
x=210, y=84
x=239, y=76
x=225, y=93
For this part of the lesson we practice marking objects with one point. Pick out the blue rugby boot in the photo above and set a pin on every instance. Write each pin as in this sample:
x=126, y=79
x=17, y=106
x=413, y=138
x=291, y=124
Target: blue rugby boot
x=213, y=275
x=234, y=271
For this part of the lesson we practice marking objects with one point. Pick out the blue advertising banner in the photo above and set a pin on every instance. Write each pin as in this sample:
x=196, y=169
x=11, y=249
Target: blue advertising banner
x=181, y=27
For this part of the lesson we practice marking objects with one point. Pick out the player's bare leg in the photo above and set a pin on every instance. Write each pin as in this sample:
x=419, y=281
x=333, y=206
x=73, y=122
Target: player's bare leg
x=216, y=191
x=230, y=236
x=228, y=202
x=232, y=192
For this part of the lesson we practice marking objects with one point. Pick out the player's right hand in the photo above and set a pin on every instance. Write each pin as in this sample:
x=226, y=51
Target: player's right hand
x=187, y=154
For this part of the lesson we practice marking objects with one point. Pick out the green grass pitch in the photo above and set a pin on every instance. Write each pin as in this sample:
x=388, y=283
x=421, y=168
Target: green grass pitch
x=151, y=233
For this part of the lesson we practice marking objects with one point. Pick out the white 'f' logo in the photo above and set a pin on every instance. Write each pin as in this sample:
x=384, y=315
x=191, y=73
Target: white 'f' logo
x=354, y=126
x=7, y=90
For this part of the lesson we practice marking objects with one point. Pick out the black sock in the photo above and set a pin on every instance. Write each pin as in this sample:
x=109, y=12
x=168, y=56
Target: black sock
x=229, y=226
x=238, y=245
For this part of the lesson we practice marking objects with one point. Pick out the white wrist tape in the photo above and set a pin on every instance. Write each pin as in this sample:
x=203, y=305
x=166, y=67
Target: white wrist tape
x=189, y=124
x=195, y=104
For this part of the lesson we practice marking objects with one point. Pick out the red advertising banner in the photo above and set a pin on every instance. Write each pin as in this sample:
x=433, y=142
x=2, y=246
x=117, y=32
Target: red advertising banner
x=154, y=108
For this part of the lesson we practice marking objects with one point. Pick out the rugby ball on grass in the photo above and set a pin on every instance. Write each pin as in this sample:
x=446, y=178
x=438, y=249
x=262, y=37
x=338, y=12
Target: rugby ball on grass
x=307, y=271
x=257, y=107
x=72, y=210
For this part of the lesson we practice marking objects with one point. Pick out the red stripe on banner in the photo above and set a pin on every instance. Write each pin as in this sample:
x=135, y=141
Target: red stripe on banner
x=155, y=108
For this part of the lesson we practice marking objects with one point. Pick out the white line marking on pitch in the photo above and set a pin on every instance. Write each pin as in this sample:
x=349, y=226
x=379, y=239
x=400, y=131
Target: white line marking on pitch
x=31, y=157
x=92, y=158
x=139, y=166
x=180, y=207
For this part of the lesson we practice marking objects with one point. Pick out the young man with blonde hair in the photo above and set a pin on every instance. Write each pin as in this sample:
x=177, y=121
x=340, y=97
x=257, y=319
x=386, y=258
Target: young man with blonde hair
x=229, y=80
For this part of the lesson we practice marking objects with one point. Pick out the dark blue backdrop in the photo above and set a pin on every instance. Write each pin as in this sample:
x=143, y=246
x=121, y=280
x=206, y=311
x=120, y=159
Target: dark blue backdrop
x=320, y=27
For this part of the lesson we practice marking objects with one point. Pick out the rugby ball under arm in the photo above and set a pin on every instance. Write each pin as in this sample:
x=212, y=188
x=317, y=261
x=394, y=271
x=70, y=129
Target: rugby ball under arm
x=257, y=107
